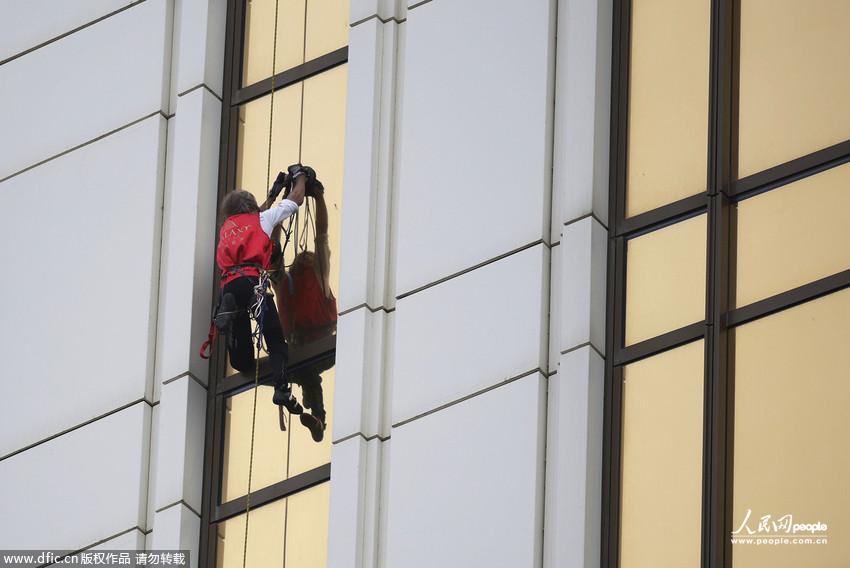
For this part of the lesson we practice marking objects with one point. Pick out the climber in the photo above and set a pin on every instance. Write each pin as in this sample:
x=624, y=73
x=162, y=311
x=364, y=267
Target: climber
x=244, y=251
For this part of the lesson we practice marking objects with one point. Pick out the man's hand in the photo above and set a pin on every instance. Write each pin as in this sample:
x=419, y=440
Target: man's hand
x=298, y=187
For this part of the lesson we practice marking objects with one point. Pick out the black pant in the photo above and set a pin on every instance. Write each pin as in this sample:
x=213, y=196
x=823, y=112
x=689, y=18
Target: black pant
x=240, y=347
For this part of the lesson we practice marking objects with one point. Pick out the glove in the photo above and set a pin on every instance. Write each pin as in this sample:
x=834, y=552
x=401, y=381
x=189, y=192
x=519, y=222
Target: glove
x=295, y=170
x=314, y=187
x=278, y=186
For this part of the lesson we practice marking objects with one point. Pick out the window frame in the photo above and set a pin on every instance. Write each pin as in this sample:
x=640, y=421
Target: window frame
x=723, y=192
x=234, y=95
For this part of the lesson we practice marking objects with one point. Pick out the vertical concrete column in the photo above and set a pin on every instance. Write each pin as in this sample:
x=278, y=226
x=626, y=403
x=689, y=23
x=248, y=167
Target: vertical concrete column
x=577, y=322
x=362, y=420
x=186, y=293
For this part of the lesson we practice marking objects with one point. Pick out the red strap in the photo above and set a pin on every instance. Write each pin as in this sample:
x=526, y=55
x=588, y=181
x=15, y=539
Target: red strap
x=206, y=347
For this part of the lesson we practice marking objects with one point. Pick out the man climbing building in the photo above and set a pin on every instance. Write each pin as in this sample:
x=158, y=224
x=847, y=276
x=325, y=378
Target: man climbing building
x=244, y=252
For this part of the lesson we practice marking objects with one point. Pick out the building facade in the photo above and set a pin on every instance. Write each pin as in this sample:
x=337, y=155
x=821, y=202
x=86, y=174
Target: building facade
x=587, y=261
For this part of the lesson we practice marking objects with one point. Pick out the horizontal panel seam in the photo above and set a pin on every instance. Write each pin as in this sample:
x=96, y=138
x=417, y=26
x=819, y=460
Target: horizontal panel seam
x=186, y=374
x=380, y=19
x=362, y=435
x=86, y=423
x=107, y=539
x=178, y=502
x=475, y=267
x=92, y=141
x=73, y=31
x=470, y=396
x=200, y=86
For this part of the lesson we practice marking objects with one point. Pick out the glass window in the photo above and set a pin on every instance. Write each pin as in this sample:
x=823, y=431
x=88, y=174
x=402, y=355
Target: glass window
x=260, y=33
x=668, y=102
x=794, y=84
x=793, y=235
x=665, y=279
x=278, y=455
x=792, y=396
x=290, y=532
x=662, y=459
x=327, y=27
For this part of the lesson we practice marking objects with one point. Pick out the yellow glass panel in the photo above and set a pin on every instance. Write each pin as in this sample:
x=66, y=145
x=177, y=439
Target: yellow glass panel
x=793, y=235
x=665, y=279
x=794, y=84
x=277, y=455
x=323, y=148
x=270, y=444
x=260, y=33
x=662, y=460
x=307, y=528
x=327, y=26
x=668, y=102
x=792, y=396
x=266, y=538
x=306, y=454
x=252, y=172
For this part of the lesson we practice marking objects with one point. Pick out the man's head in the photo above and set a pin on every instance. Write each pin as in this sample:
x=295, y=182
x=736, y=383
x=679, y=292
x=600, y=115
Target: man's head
x=237, y=202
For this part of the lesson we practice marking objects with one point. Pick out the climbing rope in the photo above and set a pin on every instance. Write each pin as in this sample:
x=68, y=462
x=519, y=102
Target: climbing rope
x=257, y=309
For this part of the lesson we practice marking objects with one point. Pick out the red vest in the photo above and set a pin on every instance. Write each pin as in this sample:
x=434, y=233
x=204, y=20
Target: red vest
x=242, y=241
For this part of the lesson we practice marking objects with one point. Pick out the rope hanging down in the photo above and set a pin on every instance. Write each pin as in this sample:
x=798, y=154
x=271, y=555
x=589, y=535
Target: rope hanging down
x=257, y=308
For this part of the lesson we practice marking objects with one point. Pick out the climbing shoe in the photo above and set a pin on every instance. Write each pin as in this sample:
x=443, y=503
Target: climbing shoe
x=283, y=397
x=226, y=314
x=315, y=425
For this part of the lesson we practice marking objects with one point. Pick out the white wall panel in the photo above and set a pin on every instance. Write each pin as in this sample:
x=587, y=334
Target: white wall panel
x=469, y=333
x=189, y=236
x=180, y=451
x=79, y=488
x=583, y=265
x=475, y=135
x=574, y=462
x=466, y=482
x=27, y=24
x=85, y=85
x=82, y=313
x=200, y=44
x=176, y=528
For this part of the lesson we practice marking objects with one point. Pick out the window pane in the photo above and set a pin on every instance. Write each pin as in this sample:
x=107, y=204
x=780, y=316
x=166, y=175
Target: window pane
x=273, y=459
x=793, y=235
x=662, y=459
x=668, y=102
x=665, y=279
x=307, y=528
x=259, y=36
x=327, y=26
x=794, y=84
x=323, y=148
x=270, y=444
x=266, y=530
x=253, y=150
x=792, y=395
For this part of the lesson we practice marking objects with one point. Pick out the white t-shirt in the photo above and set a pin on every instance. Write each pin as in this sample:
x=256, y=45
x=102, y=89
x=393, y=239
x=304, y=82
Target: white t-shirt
x=274, y=215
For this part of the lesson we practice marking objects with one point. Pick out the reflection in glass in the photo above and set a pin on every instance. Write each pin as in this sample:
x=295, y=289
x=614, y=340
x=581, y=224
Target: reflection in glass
x=278, y=455
x=665, y=279
x=327, y=27
x=668, y=102
x=260, y=33
x=793, y=235
x=662, y=459
x=792, y=396
x=794, y=84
